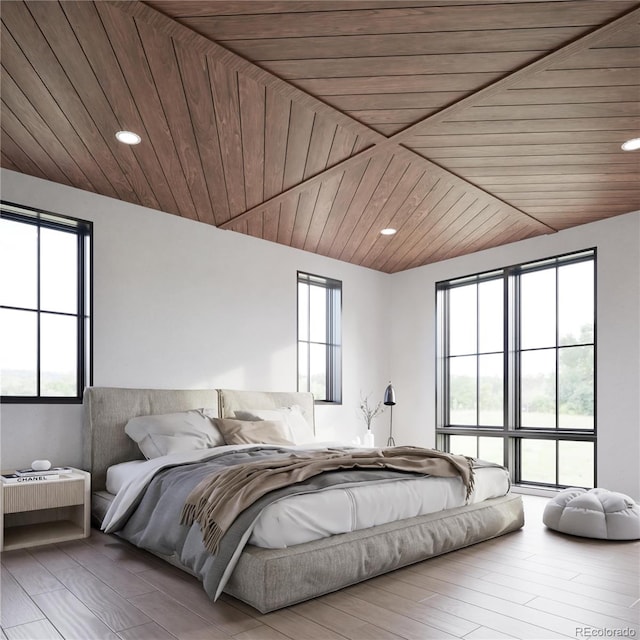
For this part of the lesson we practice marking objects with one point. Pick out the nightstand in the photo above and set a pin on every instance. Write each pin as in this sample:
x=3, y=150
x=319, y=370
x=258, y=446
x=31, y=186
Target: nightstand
x=45, y=512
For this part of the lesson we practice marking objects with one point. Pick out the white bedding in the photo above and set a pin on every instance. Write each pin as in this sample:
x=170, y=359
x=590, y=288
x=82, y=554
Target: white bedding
x=118, y=475
x=307, y=517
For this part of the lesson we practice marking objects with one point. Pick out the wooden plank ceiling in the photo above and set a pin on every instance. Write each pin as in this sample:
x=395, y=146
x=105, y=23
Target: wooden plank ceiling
x=464, y=124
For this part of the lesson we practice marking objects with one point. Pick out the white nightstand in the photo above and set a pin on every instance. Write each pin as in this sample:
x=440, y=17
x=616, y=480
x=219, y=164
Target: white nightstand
x=45, y=512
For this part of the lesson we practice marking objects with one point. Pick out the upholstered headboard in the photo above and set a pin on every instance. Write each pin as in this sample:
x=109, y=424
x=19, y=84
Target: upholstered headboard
x=108, y=409
x=232, y=401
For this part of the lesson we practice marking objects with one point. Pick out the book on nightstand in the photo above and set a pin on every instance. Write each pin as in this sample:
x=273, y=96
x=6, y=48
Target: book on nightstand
x=48, y=472
x=14, y=478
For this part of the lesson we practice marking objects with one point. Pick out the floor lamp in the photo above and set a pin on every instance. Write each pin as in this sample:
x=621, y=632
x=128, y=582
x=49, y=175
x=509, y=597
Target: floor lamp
x=390, y=400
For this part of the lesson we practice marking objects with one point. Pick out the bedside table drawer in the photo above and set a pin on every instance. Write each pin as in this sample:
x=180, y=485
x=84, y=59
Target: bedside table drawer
x=43, y=495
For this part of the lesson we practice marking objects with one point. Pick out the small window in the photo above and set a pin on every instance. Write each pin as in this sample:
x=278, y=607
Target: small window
x=320, y=337
x=44, y=306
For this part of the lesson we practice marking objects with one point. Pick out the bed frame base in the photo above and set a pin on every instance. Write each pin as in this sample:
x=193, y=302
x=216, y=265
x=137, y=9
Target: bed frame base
x=269, y=579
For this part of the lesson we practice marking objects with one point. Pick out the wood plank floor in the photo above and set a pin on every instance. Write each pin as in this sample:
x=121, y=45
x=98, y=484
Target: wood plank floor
x=534, y=583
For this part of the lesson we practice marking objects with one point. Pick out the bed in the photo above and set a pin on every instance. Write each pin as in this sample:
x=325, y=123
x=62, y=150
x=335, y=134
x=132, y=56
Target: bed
x=270, y=577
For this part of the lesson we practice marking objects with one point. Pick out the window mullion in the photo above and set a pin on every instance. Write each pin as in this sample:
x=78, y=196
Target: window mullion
x=512, y=324
x=442, y=359
x=557, y=361
x=512, y=459
x=507, y=330
x=38, y=315
x=80, y=341
x=309, y=337
x=336, y=347
x=477, y=359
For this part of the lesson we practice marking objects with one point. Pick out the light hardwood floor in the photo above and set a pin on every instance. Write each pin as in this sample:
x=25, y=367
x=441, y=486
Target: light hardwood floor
x=530, y=584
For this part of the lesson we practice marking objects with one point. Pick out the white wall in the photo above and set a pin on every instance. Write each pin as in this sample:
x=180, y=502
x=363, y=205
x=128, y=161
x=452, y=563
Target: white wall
x=618, y=334
x=179, y=304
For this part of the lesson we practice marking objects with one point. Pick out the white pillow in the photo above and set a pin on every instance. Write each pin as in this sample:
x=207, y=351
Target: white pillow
x=299, y=430
x=167, y=433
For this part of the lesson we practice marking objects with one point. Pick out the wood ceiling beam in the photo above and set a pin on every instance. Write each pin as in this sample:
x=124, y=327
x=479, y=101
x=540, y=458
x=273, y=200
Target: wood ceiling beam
x=541, y=64
x=379, y=142
x=392, y=143
x=200, y=43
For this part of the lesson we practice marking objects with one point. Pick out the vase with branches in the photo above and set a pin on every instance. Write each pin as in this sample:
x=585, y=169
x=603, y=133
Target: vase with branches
x=369, y=411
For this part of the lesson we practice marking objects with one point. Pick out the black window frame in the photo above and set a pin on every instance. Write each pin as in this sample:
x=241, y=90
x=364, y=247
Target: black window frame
x=333, y=342
x=83, y=230
x=512, y=432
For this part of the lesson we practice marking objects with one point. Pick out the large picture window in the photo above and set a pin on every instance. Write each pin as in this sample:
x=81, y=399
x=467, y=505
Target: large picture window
x=319, y=337
x=44, y=306
x=516, y=369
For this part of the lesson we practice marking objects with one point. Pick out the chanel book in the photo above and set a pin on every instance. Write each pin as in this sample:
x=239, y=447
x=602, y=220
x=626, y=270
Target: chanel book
x=11, y=478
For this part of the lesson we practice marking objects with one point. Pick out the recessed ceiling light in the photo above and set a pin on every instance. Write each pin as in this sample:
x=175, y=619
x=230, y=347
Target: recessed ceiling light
x=128, y=137
x=631, y=145
x=388, y=232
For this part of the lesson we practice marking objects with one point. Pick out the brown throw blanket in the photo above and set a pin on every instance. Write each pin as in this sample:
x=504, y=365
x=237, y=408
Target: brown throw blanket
x=218, y=500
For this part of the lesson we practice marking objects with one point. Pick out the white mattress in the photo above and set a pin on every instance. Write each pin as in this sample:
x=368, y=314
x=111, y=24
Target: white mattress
x=119, y=475
x=307, y=517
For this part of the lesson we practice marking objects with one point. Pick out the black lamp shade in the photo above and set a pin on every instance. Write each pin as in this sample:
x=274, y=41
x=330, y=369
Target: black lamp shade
x=389, y=395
